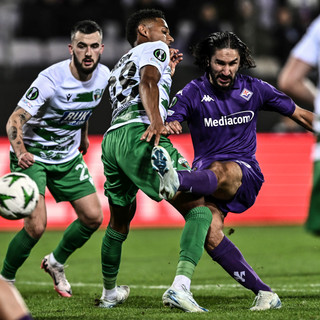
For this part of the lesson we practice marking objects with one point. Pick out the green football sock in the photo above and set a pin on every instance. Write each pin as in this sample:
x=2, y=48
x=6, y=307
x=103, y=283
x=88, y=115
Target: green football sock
x=111, y=256
x=192, y=240
x=313, y=221
x=18, y=251
x=75, y=236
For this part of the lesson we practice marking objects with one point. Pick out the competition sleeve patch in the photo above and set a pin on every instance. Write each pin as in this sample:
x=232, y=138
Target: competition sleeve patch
x=160, y=54
x=32, y=93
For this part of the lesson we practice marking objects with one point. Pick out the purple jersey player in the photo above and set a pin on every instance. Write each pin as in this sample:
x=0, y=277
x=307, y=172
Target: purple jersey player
x=221, y=110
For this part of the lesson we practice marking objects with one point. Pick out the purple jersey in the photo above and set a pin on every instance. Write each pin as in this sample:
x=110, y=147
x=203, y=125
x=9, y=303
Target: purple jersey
x=223, y=123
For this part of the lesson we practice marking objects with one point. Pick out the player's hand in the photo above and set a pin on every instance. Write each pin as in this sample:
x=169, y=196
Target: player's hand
x=84, y=145
x=25, y=160
x=175, y=59
x=154, y=130
x=174, y=127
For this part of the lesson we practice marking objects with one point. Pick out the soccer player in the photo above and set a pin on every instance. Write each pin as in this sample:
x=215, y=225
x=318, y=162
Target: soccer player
x=221, y=110
x=139, y=88
x=12, y=306
x=293, y=79
x=48, y=132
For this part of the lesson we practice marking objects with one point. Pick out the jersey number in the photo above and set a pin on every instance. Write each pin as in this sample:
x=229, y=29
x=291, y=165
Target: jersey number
x=126, y=82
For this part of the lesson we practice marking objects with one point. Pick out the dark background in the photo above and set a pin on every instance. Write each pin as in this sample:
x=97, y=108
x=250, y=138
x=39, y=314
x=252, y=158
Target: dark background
x=35, y=33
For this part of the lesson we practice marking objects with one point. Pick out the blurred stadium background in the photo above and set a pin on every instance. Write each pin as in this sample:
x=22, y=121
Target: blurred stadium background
x=34, y=34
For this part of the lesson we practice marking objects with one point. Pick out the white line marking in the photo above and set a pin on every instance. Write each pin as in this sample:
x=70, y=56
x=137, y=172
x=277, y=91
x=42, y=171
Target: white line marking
x=314, y=287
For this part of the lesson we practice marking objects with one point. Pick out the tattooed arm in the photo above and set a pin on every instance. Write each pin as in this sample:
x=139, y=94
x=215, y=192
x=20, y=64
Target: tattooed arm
x=15, y=134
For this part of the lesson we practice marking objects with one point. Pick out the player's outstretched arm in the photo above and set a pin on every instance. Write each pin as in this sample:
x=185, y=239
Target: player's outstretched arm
x=15, y=134
x=293, y=81
x=149, y=94
x=303, y=117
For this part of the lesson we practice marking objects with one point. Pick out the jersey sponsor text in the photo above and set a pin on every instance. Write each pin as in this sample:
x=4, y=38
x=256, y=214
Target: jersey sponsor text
x=230, y=120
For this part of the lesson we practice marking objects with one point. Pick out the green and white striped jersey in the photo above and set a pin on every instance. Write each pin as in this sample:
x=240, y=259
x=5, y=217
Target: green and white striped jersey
x=125, y=78
x=60, y=105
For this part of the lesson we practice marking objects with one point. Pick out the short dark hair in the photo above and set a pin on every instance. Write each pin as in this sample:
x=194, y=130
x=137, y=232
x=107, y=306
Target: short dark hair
x=137, y=18
x=86, y=27
x=205, y=49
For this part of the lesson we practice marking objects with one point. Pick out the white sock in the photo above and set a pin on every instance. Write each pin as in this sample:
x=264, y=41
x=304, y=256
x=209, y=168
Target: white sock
x=54, y=262
x=181, y=280
x=110, y=294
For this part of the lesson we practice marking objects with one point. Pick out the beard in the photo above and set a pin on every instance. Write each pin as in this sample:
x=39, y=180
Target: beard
x=214, y=81
x=83, y=70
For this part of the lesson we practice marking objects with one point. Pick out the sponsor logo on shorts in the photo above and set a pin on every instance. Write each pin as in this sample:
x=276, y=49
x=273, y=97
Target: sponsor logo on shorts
x=237, y=118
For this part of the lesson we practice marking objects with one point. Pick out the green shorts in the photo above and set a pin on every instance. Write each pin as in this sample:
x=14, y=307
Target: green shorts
x=66, y=181
x=127, y=164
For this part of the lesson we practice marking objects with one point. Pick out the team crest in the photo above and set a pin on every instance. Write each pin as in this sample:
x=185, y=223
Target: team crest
x=32, y=94
x=246, y=94
x=160, y=54
x=97, y=94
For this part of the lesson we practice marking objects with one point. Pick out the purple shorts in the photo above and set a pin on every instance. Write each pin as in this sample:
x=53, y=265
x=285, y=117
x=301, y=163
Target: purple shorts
x=246, y=195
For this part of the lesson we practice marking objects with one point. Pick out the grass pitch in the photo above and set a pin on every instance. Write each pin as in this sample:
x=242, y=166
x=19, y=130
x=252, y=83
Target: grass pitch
x=286, y=258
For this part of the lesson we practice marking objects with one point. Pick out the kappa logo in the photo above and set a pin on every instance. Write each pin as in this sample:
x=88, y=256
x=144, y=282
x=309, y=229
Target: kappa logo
x=246, y=94
x=160, y=54
x=239, y=276
x=32, y=94
x=207, y=98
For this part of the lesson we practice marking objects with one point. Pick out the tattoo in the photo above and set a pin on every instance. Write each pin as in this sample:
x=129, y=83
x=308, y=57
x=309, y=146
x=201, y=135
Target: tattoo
x=12, y=134
x=22, y=117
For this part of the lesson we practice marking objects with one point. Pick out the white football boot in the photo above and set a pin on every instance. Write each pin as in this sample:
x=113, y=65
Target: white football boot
x=122, y=296
x=162, y=163
x=266, y=300
x=60, y=282
x=181, y=299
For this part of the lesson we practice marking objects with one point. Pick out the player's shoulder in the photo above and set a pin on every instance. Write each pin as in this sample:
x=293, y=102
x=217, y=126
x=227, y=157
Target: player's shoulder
x=157, y=48
x=247, y=80
x=56, y=72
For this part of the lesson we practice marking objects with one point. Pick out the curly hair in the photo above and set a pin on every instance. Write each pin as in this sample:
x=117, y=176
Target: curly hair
x=86, y=27
x=205, y=49
x=137, y=18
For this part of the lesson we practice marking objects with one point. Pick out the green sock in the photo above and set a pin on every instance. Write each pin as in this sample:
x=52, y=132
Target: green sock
x=18, y=251
x=75, y=236
x=192, y=240
x=111, y=256
x=313, y=221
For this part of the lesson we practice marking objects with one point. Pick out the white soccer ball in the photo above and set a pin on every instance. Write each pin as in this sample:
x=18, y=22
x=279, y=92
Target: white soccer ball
x=19, y=195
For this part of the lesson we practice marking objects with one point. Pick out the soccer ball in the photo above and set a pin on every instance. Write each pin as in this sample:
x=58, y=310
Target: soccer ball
x=19, y=196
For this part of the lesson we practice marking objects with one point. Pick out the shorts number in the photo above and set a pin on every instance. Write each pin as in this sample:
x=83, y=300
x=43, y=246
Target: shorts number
x=83, y=174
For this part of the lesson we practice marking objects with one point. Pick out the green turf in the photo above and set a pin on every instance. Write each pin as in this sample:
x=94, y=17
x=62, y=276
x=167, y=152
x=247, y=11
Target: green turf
x=286, y=258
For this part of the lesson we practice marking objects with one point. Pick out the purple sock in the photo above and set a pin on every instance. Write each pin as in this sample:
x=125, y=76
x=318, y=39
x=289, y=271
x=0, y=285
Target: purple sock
x=203, y=182
x=231, y=259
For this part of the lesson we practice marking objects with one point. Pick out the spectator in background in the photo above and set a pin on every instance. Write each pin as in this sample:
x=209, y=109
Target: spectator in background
x=287, y=33
x=207, y=22
x=245, y=23
x=293, y=79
